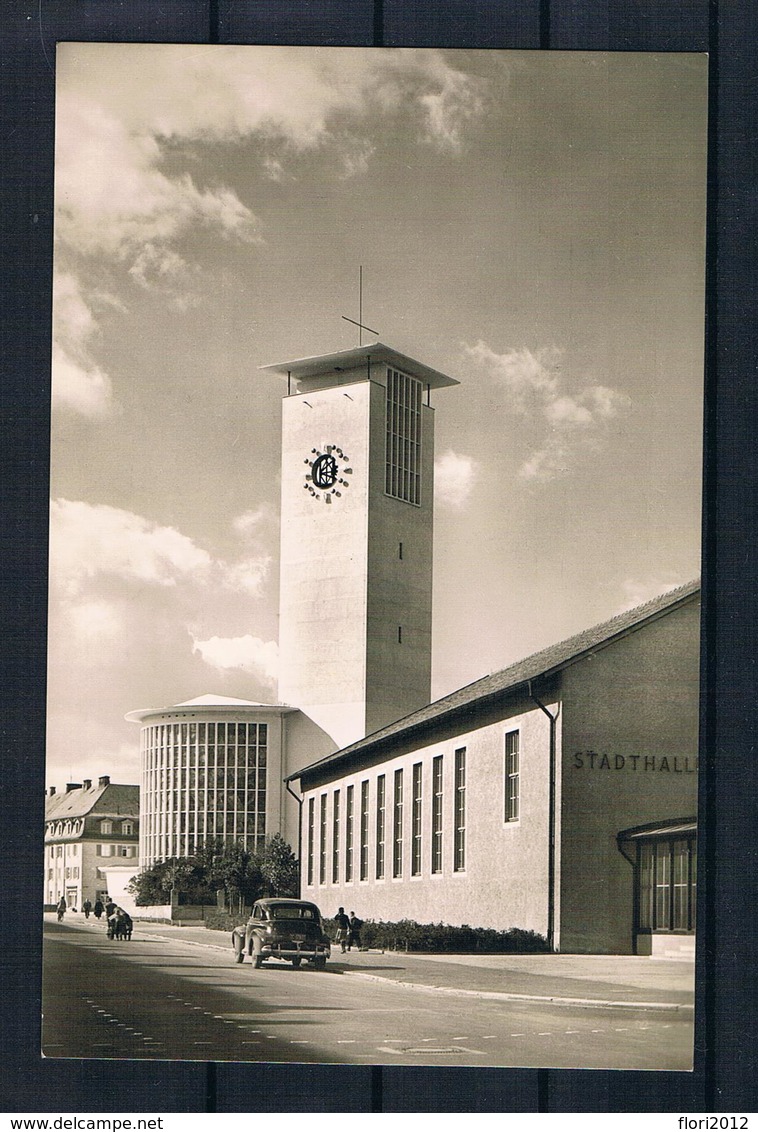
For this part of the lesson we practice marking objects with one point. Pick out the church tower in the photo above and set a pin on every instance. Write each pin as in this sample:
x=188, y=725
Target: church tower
x=355, y=607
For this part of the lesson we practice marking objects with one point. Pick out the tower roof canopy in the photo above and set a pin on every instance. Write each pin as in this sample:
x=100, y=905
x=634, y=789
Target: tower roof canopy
x=326, y=364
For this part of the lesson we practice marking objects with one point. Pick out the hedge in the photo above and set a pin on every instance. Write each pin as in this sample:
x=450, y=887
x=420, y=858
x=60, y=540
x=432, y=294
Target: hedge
x=407, y=935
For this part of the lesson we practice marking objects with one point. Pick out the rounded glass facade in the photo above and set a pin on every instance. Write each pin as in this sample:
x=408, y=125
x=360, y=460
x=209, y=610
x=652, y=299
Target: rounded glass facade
x=201, y=779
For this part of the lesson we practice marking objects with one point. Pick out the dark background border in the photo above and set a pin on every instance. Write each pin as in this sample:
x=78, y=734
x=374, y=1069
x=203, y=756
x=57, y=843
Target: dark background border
x=725, y=1077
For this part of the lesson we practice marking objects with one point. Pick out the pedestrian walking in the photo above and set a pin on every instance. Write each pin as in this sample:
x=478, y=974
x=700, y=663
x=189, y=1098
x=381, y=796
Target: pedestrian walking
x=354, y=936
x=98, y=909
x=61, y=909
x=110, y=908
x=343, y=929
x=87, y=908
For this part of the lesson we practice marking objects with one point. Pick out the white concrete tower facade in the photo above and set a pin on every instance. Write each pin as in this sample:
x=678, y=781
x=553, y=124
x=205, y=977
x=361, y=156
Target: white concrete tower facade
x=356, y=545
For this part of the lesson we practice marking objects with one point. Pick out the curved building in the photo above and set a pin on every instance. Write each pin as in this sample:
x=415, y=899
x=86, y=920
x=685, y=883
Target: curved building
x=211, y=767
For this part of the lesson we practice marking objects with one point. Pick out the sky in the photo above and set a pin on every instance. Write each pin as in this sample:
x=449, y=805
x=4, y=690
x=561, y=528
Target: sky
x=530, y=223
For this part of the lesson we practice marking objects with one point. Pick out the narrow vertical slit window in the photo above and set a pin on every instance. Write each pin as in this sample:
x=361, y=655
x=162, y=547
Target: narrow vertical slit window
x=381, y=824
x=364, y=830
x=512, y=773
x=322, y=842
x=403, y=437
x=336, y=838
x=459, y=850
x=437, y=814
x=397, y=827
x=311, y=836
x=349, y=821
x=416, y=822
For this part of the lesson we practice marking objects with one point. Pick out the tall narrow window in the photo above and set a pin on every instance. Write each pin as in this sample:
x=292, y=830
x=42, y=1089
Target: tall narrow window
x=459, y=850
x=322, y=842
x=416, y=822
x=336, y=838
x=397, y=827
x=364, y=831
x=512, y=788
x=381, y=824
x=437, y=814
x=349, y=819
x=311, y=835
x=403, y=437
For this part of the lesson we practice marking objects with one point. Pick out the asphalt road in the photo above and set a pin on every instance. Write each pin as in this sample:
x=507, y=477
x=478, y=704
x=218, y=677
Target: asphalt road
x=149, y=998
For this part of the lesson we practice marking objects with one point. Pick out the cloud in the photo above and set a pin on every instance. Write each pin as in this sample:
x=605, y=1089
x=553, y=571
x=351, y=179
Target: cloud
x=249, y=523
x=90, y=541
x=251, y=654
x=454, y=479
x=535, y=386
x=93, y=539
x=131, y=118
x=78, y=383
x=94, y=621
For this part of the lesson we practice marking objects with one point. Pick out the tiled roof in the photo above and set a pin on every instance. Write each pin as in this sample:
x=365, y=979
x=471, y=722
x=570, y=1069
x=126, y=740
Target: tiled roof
x=121, y=799
x=540, y=664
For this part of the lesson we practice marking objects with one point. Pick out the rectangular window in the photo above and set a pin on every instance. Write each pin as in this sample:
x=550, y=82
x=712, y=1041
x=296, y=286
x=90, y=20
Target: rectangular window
x=381, y=824
x=364, y=830
x=336, y=838
x=397, y=827
x=512, y=788
x=349, y=820
x=666, y=872
x=437, y=814
x=403, y=437
x=311, y=835
x=459, y=849
x=322, y=842
x=416, y=822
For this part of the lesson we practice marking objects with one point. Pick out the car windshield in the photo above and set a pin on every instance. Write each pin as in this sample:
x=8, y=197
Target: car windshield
x=292, y=912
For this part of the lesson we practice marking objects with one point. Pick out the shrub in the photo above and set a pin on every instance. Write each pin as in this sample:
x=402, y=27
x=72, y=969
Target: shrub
x=407, y=935
x=219, y=921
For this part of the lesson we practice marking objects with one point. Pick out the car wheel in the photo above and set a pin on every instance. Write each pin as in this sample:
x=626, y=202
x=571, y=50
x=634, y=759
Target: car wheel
x=296, y=962
x=257, y=958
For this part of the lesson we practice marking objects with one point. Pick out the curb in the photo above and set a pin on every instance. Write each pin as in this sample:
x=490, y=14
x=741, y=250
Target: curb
x=497, y=996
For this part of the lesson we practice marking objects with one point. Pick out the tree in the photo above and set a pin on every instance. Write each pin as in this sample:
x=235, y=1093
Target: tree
x=279, y=867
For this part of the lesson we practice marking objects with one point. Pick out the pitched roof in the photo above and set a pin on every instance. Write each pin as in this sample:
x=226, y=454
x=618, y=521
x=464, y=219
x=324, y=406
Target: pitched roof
x=77, y=803
x=540, y=664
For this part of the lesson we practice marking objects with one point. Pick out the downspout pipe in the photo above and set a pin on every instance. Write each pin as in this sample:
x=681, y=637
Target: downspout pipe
x=550, y=821
x=299, y=799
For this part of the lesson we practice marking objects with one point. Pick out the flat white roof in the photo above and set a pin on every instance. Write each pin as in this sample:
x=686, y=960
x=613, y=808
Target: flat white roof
x=324, y=364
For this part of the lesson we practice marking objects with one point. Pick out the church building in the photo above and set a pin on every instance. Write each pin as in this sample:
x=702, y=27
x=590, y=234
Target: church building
x=557, y=795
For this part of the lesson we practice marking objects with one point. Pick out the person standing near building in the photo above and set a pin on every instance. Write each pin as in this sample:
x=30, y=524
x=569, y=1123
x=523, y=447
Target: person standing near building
x=98, y=909
x=87, y=908
x=61, y=909
x=354, y=936
x=343, y=929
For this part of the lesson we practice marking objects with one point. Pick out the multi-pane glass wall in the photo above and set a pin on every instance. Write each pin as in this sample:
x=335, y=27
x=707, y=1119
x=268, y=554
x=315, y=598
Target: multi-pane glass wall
x=200, y=781
x=667, y=885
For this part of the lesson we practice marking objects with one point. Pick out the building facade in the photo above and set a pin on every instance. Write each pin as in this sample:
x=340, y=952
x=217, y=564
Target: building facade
x=88, y=827
x=211, y=768
x=556, y=796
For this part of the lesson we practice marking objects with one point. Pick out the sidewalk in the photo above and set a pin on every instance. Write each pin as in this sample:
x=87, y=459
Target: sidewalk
x=597, y=980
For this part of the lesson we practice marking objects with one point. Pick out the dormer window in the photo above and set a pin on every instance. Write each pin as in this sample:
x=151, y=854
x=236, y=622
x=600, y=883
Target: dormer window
x=106, y=826
x=127, y=827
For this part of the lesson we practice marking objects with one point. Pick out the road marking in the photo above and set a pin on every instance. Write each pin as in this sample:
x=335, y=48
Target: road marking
x=346, y=1041
x=621, y=1029
x=518, y=1035
x=544, y=1033
x=572, y=1031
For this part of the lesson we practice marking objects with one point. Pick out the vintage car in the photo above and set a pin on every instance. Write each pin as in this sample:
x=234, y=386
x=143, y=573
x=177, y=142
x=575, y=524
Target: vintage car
x=281, y=928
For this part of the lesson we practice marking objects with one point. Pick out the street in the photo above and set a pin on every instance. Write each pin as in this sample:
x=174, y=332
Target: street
x=158, y=998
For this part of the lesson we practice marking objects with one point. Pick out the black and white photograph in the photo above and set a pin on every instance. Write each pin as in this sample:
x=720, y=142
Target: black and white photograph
x=374, y=633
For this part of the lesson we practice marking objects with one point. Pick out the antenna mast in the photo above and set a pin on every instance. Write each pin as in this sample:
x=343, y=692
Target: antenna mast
x=360, y=323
